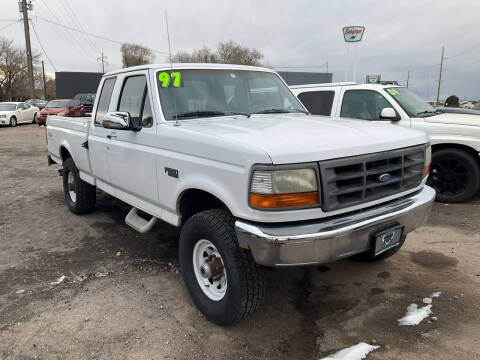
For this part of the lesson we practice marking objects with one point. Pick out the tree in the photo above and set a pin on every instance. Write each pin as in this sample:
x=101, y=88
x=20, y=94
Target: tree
x=226, y=53
x=134, y=54
x=13, y=70
x=452, y=101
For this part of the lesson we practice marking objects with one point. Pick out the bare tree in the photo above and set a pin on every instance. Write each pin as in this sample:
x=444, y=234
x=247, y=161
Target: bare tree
x=226, y=53
x=134, y=54
x=233, y=53
x=13, y=70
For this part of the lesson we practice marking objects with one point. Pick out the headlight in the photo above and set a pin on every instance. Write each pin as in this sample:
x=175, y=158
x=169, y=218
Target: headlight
x=276, y=189
x=428, y=160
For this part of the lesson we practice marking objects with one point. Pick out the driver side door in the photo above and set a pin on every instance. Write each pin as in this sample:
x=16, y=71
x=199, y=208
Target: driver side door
x=131, y=155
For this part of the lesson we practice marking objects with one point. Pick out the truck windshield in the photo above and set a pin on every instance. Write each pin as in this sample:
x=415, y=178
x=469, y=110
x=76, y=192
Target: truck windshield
x=413, y=104
x=7, y=107
x=188, y=94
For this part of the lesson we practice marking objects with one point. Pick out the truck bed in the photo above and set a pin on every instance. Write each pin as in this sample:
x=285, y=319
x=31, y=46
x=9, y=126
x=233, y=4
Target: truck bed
x=68, y=134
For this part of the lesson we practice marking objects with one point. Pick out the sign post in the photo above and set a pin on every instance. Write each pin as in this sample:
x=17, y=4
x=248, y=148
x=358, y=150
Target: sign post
x=373, y=79
x=352, y=34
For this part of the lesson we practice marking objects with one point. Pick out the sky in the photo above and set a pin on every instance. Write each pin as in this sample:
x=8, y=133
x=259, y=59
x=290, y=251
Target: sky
x=400, y=36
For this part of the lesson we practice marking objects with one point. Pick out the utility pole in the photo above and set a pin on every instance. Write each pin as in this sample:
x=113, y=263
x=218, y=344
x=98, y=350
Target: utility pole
x=103, y=59
x=440, y=76
x=408, y=77
x=44, y=82
x=26, y=26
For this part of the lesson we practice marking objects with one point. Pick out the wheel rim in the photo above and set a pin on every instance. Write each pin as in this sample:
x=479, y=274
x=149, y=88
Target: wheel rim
x=71, y=187
x=449, y=176
x=209, y=270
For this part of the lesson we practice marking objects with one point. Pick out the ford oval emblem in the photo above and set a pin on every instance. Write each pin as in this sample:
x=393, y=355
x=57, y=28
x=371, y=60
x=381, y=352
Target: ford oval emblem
x=384, y=177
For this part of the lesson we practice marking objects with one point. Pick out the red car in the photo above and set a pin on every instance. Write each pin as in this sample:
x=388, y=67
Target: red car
x=62, y=107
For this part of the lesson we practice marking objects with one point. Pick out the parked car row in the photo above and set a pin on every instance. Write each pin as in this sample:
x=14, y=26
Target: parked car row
x=62, y=107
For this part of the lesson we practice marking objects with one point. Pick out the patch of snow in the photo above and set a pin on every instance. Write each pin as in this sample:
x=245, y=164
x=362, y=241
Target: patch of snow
x=21, y=291
x=415, y=315
x=436, y=294
x=356, y=352
x=427, y=300
x=58, y=281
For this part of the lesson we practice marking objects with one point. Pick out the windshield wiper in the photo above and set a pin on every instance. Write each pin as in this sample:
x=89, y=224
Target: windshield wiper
x=208, y=113
x=200, y=113
x=278, y=111
x=427, y=112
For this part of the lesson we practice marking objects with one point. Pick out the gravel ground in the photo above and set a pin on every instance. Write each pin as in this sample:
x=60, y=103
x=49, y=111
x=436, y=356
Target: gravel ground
x=123, y=297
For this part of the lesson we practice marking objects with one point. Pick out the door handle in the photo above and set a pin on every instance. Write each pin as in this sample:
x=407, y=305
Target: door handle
x=112, y=137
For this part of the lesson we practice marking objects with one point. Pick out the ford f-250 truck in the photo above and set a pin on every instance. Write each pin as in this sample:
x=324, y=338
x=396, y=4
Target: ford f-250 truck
x=455, y=138
x=229, y=154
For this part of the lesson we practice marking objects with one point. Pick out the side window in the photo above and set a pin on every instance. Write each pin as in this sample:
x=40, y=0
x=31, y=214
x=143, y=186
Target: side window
x=318, y=102
x=134, y=100
x=363, y=104
x=104, y=100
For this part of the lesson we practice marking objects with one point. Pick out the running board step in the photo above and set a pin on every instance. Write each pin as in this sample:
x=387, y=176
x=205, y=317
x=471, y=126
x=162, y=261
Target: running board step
x=138, y=223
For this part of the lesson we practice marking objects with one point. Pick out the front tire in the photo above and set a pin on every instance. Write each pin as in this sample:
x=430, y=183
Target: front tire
x=13, y=121
x=455, y=175
x=34, y=118
x=223, y=279
x=79, y=195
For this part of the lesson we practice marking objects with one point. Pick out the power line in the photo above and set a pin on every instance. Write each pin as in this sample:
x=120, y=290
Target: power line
x=86, y=52
x=463, y=52
x=90, y=34
x=79, y=25
x=7, y=26
x=43, y=49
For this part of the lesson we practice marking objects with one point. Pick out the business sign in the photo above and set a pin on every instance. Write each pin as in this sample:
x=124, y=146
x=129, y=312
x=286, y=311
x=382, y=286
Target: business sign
x=373, y=79
x=353, y=33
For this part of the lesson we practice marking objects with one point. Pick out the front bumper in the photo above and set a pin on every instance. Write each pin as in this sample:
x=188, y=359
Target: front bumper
x=327, y=240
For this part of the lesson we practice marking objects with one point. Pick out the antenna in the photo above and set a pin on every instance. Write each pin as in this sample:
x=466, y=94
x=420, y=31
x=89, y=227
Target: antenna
x=171, y=68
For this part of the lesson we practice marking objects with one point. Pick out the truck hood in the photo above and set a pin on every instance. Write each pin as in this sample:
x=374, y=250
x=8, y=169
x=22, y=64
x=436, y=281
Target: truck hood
x=294, y=138
x=455, y=119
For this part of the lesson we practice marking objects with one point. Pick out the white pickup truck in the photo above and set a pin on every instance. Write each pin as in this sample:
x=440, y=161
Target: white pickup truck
x=229, y=154
x=455, y=138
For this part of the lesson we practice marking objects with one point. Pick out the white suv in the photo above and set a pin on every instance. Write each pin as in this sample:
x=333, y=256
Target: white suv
x=455, y=138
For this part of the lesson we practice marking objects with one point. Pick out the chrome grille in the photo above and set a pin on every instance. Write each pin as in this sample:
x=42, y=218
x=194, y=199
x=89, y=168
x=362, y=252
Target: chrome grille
x=356, y=180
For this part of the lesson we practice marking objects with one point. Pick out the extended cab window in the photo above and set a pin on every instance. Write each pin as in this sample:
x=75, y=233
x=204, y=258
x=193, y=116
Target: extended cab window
x=134, y=100
x=318, y=102
x=104, y=100
x=363, y=104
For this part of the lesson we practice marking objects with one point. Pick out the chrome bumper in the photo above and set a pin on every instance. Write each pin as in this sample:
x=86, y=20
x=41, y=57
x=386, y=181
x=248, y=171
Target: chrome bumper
x=327, y=240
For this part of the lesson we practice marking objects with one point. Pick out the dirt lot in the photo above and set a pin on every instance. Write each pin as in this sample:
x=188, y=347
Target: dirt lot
x=123, y=298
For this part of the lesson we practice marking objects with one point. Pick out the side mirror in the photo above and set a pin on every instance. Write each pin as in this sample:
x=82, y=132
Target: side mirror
x=119, y=120
x=388, y=113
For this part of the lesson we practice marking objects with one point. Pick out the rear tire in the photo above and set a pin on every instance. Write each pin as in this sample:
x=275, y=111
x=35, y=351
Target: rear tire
x=79, y=195
x=34, y=118
x=13, y=121
x=454, y=174
x=240, y=283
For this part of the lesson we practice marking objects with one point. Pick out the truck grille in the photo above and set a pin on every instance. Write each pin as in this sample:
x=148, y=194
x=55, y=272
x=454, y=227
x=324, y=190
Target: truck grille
x=360, y=179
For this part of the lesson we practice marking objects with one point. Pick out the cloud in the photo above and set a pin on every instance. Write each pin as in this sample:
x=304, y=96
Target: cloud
x=400, y=35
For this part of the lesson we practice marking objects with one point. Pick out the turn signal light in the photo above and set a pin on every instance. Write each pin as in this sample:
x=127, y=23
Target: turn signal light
x=426, y=170
x=273, y=201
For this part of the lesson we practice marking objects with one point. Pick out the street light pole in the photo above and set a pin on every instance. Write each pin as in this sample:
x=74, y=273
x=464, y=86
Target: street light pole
x=440, y=76
x=28, y=46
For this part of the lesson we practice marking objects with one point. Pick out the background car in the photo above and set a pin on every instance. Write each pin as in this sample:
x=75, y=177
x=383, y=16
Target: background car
x=37, y=103
x=86, y=100
x=62, y=107
x=458, y=110
x=13, y=113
